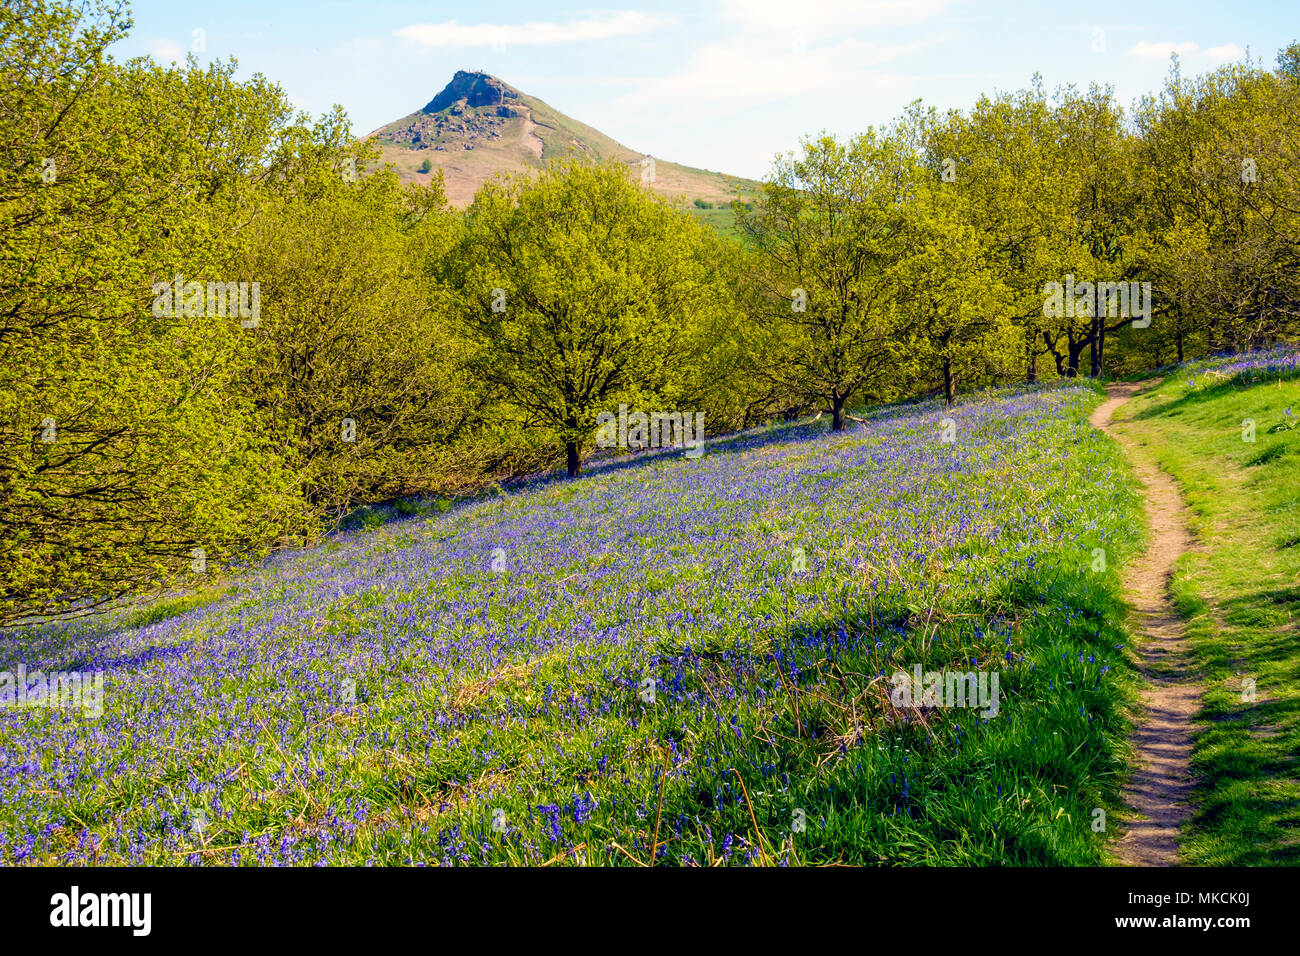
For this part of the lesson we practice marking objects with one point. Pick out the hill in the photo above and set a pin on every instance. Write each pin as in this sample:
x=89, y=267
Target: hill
x=478, y=127
x=466, y=685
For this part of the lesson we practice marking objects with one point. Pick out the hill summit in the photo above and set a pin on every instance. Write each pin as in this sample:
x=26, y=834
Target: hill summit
x=473, y=90
x=479, y=127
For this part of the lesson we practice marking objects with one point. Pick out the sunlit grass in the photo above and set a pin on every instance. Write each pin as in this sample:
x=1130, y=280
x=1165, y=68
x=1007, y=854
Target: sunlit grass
x=1240, y=593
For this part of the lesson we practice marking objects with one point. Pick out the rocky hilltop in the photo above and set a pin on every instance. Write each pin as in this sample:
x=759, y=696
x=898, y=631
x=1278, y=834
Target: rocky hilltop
x=472, y=90
x=479, y=127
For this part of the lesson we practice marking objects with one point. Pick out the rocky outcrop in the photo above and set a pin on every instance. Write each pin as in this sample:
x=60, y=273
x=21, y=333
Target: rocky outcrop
x=474, y=89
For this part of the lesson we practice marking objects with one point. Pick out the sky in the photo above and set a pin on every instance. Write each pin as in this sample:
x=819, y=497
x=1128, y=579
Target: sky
x=718, y=84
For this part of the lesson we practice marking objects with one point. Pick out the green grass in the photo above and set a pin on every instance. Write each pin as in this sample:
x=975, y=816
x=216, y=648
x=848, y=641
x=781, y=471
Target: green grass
x=169, y=607
x=721, y=220
x=1239, y=591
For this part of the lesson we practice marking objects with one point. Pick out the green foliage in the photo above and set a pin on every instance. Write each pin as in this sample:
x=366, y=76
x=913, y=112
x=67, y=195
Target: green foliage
x=142, y=445
x=1220, y=214
x=125, y=442
x=352, y=363
x=952, y=297
x=825, y=234
x=581, y=291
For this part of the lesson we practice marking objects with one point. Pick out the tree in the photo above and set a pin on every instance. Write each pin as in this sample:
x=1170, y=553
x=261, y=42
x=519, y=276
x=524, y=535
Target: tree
x=1011, y=166
x=1222, y=214
x=125, y=447
x=580, y=290
x=955, y=306
x=825, y=232
x=1288, y=62
x=354, y=366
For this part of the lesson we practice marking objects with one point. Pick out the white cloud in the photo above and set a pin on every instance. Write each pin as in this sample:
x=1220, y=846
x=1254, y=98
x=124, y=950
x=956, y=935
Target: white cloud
x=822, y=16
x=1229, y=51
x=1215, y=54
x=600, y=27
x=776, y=49
x=720, y=76
x=1162, y=50
x=165, y=51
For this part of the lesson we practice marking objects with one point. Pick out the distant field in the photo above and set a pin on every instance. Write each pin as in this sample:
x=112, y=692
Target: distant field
x=722, y=220
x=410, y=693
x=1240, y=590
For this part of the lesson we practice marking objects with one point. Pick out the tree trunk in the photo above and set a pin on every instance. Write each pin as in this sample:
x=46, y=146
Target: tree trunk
x=947, y=382
x=573, y=461
x=1076, y=351
x=1094, y=353
x=837, y=412
x=1056, y=356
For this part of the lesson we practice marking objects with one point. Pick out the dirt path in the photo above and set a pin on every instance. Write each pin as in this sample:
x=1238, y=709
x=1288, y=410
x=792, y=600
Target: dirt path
x=1159, y=788
x=529, y=138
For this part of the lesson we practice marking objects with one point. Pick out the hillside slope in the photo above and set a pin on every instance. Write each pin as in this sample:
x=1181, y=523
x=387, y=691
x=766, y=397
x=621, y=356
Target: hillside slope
x=479, y=127
x=668, y=658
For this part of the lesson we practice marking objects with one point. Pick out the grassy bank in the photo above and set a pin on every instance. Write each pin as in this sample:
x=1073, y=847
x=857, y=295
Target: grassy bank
x=1240, y=593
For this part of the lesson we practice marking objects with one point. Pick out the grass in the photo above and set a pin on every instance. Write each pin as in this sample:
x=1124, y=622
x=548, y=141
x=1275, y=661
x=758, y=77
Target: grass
x=721, y=219
x=471, y=684
x=168, y=607
x=1239, y=591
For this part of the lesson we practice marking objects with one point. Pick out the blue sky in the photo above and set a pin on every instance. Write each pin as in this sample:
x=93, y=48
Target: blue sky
x=722, y=84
